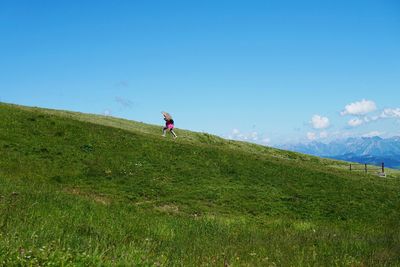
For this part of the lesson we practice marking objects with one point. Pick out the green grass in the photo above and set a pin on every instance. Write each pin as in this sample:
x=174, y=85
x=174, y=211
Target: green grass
x=80, y=189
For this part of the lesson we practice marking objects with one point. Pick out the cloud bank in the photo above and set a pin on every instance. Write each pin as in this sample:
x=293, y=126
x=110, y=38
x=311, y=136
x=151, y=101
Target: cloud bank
x=390, y=113
x=355, y=122
x=362, y=107
x=253, y=136
x=319, y=122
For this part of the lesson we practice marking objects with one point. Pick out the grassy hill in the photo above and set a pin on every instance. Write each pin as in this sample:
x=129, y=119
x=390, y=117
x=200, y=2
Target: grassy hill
x=80, y=189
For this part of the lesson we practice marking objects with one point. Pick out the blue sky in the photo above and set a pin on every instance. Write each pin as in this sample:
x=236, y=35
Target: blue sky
x=265, y=71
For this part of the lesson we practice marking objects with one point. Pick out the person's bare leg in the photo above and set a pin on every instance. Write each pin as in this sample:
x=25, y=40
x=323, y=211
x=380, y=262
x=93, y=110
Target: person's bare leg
x=173, y=133
x=164, y=131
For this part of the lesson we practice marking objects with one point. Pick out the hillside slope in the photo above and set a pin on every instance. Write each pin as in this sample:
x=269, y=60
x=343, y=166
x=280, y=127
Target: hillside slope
x=79, y=188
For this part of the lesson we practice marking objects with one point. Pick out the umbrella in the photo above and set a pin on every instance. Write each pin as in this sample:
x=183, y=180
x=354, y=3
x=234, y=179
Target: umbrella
x=167, y=115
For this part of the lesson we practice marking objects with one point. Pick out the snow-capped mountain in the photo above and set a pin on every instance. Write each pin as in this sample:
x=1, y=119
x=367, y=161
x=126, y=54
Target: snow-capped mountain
x=371, y=150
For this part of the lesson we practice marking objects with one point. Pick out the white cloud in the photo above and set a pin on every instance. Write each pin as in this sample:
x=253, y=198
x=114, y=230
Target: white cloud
x=359, y=108
x=387, y=113
x=266, y=140
x=323, y=134
x=391, y=113
x=311, y=136
x=319, y=122
x=253, y=136
x=355, y=122
x=314, y=136
x=106, y=112
x=372, y=118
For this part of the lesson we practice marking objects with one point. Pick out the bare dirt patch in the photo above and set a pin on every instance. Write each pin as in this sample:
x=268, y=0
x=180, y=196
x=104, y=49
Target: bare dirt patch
x=168, y=208
x=89, y=195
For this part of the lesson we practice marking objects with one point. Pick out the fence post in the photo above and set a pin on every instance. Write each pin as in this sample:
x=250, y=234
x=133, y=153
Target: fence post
x=383, y=167
x=350, y=166
x=366, y=170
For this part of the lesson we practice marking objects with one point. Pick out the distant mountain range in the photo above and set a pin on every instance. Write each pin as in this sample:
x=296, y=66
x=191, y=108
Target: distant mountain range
x=370, y=150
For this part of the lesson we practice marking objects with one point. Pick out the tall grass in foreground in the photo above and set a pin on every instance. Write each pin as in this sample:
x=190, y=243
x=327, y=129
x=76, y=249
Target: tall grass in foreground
x=43, y=225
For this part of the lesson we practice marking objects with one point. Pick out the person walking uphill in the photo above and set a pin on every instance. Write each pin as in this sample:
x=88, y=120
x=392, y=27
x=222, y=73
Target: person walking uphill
x=169, y=125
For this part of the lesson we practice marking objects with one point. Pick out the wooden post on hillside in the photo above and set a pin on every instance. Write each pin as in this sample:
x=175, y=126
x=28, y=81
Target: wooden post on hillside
x=350, y=166
x=383, y=167
x=366, y=170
